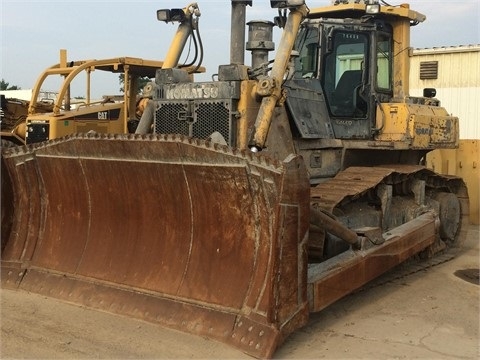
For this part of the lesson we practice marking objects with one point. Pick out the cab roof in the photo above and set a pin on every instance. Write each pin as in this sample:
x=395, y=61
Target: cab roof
x=356, y=11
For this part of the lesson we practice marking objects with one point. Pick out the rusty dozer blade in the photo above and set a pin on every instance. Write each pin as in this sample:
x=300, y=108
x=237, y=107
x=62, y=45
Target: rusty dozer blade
x=167, y=229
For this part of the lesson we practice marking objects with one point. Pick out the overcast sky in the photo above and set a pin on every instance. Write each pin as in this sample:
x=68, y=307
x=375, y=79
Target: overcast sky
x=33, y=31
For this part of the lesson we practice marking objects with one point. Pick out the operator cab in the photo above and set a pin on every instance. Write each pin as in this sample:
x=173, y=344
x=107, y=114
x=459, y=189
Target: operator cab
x=352, y=61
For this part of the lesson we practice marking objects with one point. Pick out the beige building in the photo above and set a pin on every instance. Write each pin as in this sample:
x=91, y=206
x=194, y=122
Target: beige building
x=455, y=73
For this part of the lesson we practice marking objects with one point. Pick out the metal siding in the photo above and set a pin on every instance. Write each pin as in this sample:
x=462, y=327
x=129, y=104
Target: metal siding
x=458, y=83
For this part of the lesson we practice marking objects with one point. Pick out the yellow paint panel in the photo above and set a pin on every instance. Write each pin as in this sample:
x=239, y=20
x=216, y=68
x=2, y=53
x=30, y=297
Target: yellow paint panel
x=463, y=162
x=391, y=118
x=419, y=126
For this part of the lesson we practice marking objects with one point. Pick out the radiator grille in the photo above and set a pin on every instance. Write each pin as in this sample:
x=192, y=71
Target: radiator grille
x=167, y=119
x=213, y=116
x=198, y=119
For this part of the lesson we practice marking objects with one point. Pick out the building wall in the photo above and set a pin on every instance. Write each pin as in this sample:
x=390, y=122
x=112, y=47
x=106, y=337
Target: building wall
x=26, y=94
x=17, y=94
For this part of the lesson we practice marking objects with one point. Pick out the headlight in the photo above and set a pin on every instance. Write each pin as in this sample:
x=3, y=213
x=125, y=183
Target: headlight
x=170, y=15
x=372, y=7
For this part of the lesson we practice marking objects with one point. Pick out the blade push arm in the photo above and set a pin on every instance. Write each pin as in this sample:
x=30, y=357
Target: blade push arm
x=271, y=87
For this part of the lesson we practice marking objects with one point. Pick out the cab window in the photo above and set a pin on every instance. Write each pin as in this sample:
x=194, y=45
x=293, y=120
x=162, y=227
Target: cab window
x=307, y=47
x=384, y=62
x=343, y=73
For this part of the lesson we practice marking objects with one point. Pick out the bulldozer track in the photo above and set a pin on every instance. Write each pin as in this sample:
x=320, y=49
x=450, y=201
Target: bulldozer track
x=356, y=182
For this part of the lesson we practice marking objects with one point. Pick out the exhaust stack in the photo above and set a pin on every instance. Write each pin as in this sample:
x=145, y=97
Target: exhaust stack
x=237, y=32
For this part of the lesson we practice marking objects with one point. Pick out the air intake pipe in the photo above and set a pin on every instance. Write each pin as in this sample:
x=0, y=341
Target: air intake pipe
x=260, y=36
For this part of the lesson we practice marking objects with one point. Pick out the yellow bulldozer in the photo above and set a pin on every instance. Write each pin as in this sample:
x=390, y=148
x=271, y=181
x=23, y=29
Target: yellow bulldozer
x=13, y=118
x=242, y=205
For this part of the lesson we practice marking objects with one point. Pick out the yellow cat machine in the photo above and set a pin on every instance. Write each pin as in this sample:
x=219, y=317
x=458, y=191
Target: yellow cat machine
x=40, y=122
x=14, y=114
x=258, y=198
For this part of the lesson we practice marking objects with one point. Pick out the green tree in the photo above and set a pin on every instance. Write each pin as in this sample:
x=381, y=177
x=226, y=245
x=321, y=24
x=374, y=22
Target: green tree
x=141, y=82
x=6, y=86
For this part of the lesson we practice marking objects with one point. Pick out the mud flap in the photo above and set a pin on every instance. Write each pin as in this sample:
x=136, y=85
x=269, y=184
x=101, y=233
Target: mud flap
x=181, y=232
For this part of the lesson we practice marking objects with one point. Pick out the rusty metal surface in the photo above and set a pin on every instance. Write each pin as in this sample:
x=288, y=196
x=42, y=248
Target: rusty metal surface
x=339, y=276
x=166, y=229
x=6, y=205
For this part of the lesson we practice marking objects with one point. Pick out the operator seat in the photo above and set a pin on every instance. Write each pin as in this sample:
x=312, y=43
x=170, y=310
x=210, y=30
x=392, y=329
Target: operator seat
x=344, y=95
